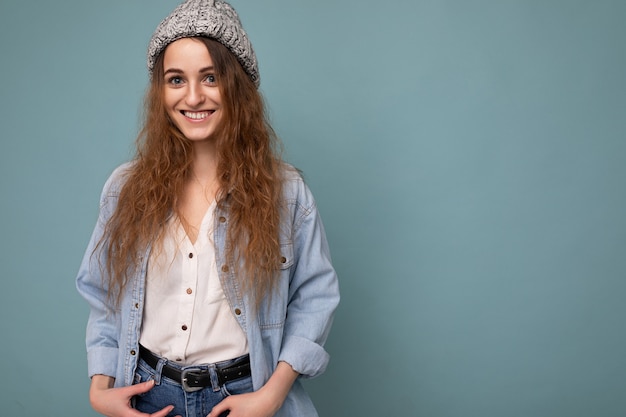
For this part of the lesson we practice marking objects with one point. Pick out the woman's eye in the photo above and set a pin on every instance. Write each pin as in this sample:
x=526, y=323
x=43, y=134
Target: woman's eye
x=211, y=79
x=175, y=81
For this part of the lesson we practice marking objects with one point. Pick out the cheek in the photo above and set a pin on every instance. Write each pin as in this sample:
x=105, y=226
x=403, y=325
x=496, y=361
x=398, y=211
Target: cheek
x=171, y=98
x=172, y=117
x=170, y=111
x=172, y=114
x=215, y=96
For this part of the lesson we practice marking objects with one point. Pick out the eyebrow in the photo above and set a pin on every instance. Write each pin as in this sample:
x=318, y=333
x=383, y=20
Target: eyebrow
x=179, y=71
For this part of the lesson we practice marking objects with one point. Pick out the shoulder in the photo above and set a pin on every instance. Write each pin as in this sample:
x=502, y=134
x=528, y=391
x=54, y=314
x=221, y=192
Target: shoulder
x=298, y=201
x=118, y=177
x=295, y=189
x=116, y=181
x=290, y=173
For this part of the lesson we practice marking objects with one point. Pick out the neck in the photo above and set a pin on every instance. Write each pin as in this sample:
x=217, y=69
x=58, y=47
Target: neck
x=204, y=164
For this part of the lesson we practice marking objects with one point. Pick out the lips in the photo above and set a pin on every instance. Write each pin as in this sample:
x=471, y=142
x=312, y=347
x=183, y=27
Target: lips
x=197, y=115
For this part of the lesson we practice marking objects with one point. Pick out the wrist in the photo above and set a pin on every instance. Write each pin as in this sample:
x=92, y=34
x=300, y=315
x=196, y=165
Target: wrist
x=102, y=382
x=278, y=386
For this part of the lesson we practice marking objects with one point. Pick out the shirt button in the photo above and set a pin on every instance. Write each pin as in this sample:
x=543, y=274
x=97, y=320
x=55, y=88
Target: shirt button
x=132, y=352
x=184, y=327
x=189, y=290
x=225, y=268
x=283, y=260
x=190, y=255
x=237, y=311
x=222, y=219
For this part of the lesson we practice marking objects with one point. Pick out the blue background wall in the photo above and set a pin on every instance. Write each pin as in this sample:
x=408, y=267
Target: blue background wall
x=468, y=158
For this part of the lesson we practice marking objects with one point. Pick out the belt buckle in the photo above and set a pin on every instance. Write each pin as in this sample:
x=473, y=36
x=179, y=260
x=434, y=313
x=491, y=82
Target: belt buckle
x=184, y=382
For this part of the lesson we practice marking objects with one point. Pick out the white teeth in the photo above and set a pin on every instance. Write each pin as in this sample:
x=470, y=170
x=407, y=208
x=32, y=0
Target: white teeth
x=196, y=115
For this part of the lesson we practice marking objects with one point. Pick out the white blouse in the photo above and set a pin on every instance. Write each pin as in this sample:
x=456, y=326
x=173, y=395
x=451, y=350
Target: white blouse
x=186, y=316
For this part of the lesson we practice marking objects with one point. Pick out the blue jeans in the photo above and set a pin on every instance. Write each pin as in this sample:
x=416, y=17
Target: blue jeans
x=187, y=404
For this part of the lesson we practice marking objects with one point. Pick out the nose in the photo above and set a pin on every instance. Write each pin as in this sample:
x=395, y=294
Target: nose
x=195, y=95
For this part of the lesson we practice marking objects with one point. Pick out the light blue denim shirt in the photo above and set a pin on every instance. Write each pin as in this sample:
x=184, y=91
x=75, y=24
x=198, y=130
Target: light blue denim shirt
x=291, y=327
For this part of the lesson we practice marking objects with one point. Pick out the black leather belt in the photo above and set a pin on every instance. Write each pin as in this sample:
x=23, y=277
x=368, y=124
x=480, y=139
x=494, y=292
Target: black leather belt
x=194, y=379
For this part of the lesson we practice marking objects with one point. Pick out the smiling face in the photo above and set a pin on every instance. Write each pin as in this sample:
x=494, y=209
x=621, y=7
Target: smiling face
x=191, y=95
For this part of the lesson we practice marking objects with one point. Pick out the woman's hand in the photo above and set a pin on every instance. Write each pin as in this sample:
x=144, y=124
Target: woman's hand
x=253, y=404
x=115, y=402
x=262, y=403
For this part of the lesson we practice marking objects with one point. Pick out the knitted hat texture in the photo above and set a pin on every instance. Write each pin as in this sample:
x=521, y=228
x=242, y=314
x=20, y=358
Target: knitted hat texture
x=213, y=19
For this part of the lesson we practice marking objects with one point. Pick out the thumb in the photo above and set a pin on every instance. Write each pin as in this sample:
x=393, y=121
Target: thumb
x=140, y=388
x=219, y=409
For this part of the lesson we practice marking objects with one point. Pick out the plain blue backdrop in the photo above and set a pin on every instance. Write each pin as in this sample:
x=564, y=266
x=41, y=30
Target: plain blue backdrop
x=468, y=158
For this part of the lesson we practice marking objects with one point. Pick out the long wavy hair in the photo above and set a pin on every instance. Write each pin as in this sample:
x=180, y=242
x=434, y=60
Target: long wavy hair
x=248, y=172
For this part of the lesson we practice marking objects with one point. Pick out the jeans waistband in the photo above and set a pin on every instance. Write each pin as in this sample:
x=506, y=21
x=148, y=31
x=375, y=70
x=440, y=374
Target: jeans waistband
x=194, y=378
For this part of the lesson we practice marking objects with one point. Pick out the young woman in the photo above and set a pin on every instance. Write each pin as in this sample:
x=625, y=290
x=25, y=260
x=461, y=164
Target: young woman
x=208, y=273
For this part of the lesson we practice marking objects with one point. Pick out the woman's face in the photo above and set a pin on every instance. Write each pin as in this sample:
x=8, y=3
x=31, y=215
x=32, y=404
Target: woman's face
x=192, y=98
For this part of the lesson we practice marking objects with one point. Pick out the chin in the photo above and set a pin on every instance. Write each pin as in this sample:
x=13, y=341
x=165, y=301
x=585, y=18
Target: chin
x=199, y=137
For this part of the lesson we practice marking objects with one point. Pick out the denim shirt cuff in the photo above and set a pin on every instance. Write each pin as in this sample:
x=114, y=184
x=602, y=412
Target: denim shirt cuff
x=102, y=361
x=306, y=357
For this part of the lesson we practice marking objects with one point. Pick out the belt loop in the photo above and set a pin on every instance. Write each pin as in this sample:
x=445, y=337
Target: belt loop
x=158, y=370
x=215, y=381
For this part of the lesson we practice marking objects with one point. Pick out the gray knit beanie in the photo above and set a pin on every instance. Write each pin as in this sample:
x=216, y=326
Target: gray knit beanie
x=213, y=19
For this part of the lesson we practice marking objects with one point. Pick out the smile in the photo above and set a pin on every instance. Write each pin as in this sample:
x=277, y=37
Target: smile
x=197, y=115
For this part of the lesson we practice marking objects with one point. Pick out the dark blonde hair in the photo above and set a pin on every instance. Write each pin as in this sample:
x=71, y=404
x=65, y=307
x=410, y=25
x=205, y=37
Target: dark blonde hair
x=248, y=172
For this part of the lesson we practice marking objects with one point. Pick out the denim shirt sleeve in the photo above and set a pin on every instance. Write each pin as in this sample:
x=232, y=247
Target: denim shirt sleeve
x=103, y=323
x=313, y=287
